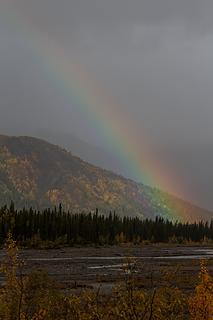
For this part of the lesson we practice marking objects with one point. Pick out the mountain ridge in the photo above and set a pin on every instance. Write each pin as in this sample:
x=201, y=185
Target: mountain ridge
x=36, y=173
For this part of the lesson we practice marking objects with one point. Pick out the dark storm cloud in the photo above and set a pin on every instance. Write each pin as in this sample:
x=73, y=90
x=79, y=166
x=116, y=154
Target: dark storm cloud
x=154, y=56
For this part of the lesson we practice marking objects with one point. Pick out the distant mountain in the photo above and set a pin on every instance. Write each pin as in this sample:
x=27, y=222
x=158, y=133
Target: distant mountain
x=36, y=173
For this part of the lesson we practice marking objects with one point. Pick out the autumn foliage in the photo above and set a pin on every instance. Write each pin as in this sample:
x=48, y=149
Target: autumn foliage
x=201, y=303
x=37, y=297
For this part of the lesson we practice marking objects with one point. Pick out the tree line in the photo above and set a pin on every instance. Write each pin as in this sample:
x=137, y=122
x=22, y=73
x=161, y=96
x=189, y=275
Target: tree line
x=30, y=227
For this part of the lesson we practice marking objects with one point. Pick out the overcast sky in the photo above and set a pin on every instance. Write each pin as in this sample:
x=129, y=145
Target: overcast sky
x=154, y=56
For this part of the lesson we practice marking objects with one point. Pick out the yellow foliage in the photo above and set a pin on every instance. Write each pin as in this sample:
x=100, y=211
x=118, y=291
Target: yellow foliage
x=37, y=297
x=201, y=303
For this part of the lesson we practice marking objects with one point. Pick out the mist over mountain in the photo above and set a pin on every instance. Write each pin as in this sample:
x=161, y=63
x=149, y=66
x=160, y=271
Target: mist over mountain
x=190, y=162
x=87, y=151
x=36, y=173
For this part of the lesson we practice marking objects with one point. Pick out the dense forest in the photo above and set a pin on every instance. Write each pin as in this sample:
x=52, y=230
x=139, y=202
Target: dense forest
x=31, y=228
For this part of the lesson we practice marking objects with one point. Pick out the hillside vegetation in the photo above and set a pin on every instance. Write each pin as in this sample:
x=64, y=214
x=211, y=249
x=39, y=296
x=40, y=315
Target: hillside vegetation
x=36, y=173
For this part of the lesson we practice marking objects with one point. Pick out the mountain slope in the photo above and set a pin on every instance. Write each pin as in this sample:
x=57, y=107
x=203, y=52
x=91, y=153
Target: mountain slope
x=36, y=173
x=82, y=149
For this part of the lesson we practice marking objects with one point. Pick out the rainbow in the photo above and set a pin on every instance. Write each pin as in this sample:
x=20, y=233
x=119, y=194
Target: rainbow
x=94, y=104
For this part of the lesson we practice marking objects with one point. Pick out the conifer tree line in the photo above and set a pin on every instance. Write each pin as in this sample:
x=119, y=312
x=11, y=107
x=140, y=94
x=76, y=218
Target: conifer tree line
x=29, y=226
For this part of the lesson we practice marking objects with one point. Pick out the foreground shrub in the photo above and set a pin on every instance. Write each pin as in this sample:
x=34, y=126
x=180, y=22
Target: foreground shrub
x=37, y=297
x=201, y=303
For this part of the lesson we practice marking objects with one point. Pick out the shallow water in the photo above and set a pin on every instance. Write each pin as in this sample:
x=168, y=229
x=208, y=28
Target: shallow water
x=91, y=265
x=203, y=254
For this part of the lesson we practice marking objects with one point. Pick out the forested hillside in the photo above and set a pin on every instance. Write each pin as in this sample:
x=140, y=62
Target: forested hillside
x=38, y=174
